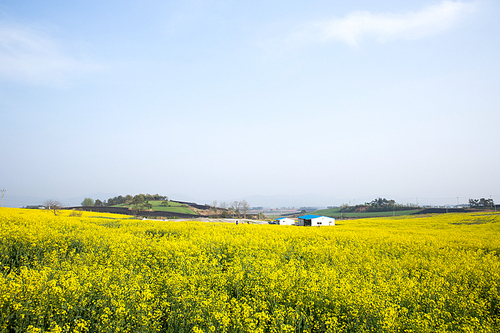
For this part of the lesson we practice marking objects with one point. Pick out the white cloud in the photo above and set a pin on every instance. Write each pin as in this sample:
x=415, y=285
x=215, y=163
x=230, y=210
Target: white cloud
x=356, y=26
x=29, y=55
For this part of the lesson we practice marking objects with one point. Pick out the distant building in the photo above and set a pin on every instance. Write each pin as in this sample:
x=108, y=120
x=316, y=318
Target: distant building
x=315, y=221
x=309, y=209
x=285, y=221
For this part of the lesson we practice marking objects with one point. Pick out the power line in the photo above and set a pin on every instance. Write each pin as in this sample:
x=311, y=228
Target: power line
x=3, y=194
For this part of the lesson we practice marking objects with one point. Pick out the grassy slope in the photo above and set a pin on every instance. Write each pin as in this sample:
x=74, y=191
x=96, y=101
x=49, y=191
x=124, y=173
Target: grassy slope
x=172, y=207
x=335, y=212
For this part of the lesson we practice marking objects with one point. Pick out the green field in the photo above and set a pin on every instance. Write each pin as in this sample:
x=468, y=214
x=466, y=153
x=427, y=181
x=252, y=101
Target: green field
x=173, y=207
x=335, y=212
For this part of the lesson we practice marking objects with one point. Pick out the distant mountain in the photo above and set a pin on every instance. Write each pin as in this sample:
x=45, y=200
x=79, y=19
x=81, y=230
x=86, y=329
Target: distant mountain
x=273, y=201
x=183, y=197
x=301, y=200
x=76, y=201
x=21, y=201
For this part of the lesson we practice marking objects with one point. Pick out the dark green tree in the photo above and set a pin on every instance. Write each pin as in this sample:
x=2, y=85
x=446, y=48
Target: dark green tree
x=87, y=202
x=482, y=203
x=139, y=202
x=128, y=199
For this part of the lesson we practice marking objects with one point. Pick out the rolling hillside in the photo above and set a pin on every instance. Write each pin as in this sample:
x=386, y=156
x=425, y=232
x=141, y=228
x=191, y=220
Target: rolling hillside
x=174, y=207
x=335, y=212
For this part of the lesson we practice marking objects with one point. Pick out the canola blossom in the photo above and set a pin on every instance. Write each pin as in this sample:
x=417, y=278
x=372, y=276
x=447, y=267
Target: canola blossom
x=109, y=273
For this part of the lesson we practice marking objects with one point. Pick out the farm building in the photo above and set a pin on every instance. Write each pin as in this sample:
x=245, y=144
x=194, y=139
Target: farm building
x=315, y=220
x=285, y=221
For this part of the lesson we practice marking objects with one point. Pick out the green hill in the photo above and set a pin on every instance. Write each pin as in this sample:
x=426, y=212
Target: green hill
x=335, y=212
x=173, y=206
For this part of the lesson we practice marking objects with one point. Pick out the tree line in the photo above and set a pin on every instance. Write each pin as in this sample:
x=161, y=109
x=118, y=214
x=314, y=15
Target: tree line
x=377, y=205
x=139, y=199
x=232, y=209
x=481, y=203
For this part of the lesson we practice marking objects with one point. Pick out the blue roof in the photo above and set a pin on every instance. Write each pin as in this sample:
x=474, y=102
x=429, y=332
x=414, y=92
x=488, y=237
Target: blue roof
x=308, y=217
x=281, y=218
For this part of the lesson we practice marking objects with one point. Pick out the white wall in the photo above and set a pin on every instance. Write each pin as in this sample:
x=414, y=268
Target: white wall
x=286, y=221
x=323, y=221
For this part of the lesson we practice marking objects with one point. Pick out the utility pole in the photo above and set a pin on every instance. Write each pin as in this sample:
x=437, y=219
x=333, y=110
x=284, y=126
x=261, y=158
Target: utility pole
x=3, y=194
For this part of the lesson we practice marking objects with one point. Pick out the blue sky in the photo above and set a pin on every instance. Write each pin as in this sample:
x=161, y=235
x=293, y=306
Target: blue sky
x=223, y=100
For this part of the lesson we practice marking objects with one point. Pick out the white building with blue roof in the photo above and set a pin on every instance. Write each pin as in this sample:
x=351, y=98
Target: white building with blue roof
x=315, y=221
x=285, y=221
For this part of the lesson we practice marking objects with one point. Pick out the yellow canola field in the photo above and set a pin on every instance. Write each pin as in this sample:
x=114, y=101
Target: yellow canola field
x=109, y=273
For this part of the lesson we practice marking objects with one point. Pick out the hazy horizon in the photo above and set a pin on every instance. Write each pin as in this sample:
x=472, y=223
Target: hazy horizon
x=268, y=201
x=223, y=100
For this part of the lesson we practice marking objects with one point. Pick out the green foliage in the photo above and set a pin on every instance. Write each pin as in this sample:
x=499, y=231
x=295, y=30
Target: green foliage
x=87, y=202
x=481, y=203
x=336, y=213
x=120, y=200
x=377, y=205
x=173, y=206
x=140, y=202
